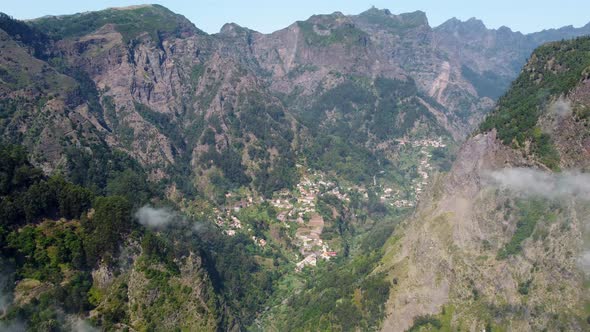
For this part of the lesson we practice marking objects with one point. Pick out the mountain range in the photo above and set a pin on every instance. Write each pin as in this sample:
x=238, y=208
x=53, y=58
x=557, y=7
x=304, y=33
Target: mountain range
x=402, y=149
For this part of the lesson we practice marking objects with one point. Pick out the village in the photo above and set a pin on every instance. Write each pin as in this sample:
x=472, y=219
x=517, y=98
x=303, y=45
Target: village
x=297, y=208
x=392, y=196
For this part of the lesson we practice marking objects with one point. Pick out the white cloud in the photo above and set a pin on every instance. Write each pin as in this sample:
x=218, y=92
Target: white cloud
x=566, y=185
x=81, y=325
x=561, y=108
x=155, y=218
x=531, y=182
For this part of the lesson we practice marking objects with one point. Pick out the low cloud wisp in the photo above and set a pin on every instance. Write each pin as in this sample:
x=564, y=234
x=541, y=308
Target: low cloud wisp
x=531, y=182
x=561, y=108
x=156, y=218
x=566, y=185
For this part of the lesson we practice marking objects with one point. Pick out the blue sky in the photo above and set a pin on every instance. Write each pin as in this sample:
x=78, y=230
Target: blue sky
x=270, y=15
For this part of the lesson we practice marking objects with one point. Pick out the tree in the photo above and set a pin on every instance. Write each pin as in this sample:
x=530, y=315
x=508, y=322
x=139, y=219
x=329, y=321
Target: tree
x=106, y=227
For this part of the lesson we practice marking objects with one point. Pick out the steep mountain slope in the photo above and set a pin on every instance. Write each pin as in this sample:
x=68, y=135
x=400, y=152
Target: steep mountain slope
x=297, y=149
x=499, y=243
x=156, y=88
x=193, y=109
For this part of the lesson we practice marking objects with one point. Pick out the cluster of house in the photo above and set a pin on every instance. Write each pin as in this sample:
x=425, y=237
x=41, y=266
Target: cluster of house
x=292, y=207
x=340, y=195
x=430, y=142
x=308, y=236
x=231, y=227
x=311, y=258
x=424, y=168
x=393, y=198
x=259, y=241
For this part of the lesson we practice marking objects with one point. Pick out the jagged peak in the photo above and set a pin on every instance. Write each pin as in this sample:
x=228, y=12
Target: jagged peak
x=376, y=11
x=122, y=8
x=418, y=16
x=133, y=7
x=475, y=22
x=472, y=24
x=385, y=17
x=230, y=28
x=233, y=29
x=326, y=17
x=148, y=18
x=505, y=28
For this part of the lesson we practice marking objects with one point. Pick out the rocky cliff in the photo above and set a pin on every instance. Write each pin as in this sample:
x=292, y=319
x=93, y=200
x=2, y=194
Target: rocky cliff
x=360, y=103
x=499, y=243
x=184, y=104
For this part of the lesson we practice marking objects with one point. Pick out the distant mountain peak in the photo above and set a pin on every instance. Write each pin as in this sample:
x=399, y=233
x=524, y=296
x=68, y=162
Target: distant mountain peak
x=230, y=28
x=133, y=7
x=472, y=24
x=132, y=20
x=376, y=11
x=384, y=17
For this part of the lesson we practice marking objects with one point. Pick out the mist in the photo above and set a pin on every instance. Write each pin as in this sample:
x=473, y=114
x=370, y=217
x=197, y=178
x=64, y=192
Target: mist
x=584, y=262
x=5, y=281
x=531, y=182
x=12, y=327
x=156, y=218
x=81, y=325
x=537, y=183
x=6, y=296
x=561, y=108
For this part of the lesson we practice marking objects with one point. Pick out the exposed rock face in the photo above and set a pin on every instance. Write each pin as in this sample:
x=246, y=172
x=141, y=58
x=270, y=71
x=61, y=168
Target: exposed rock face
x=446, y=257
x=153, y=88
x=239, y=107
x=466, y=256
x=190, y=296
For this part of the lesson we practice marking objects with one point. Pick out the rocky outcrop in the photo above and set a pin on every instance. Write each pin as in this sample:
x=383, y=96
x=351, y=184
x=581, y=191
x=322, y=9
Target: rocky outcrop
x=445, y=261
x=480, y=253
x=153, y=87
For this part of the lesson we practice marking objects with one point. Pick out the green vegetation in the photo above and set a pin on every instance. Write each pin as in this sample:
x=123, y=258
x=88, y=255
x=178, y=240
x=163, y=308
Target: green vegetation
x=107, y=227
x=346, y=34
x=106, y=171
x=524, y=287
x=345, y=121
x=339, y=297
x=351, y=162
x=331, y=149
x=391, y=108
x=164, y=124
x=230, y=162
x=425, y=321
x=153, y=19
x=61, y=253
x=397, y=24
x=57, y=254
x=196, y=73
x=26, y=195
x=554, y=69
x=530, y=213
x=26, y=34
x=343, y=293
x=487, y=84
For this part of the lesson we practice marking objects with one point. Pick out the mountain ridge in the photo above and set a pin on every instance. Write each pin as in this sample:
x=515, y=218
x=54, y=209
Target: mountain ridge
x=482, y=237
x=291, y=157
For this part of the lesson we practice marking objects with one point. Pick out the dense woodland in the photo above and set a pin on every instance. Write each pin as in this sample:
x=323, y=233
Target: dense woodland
x=57, y=232
x=517, y=115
